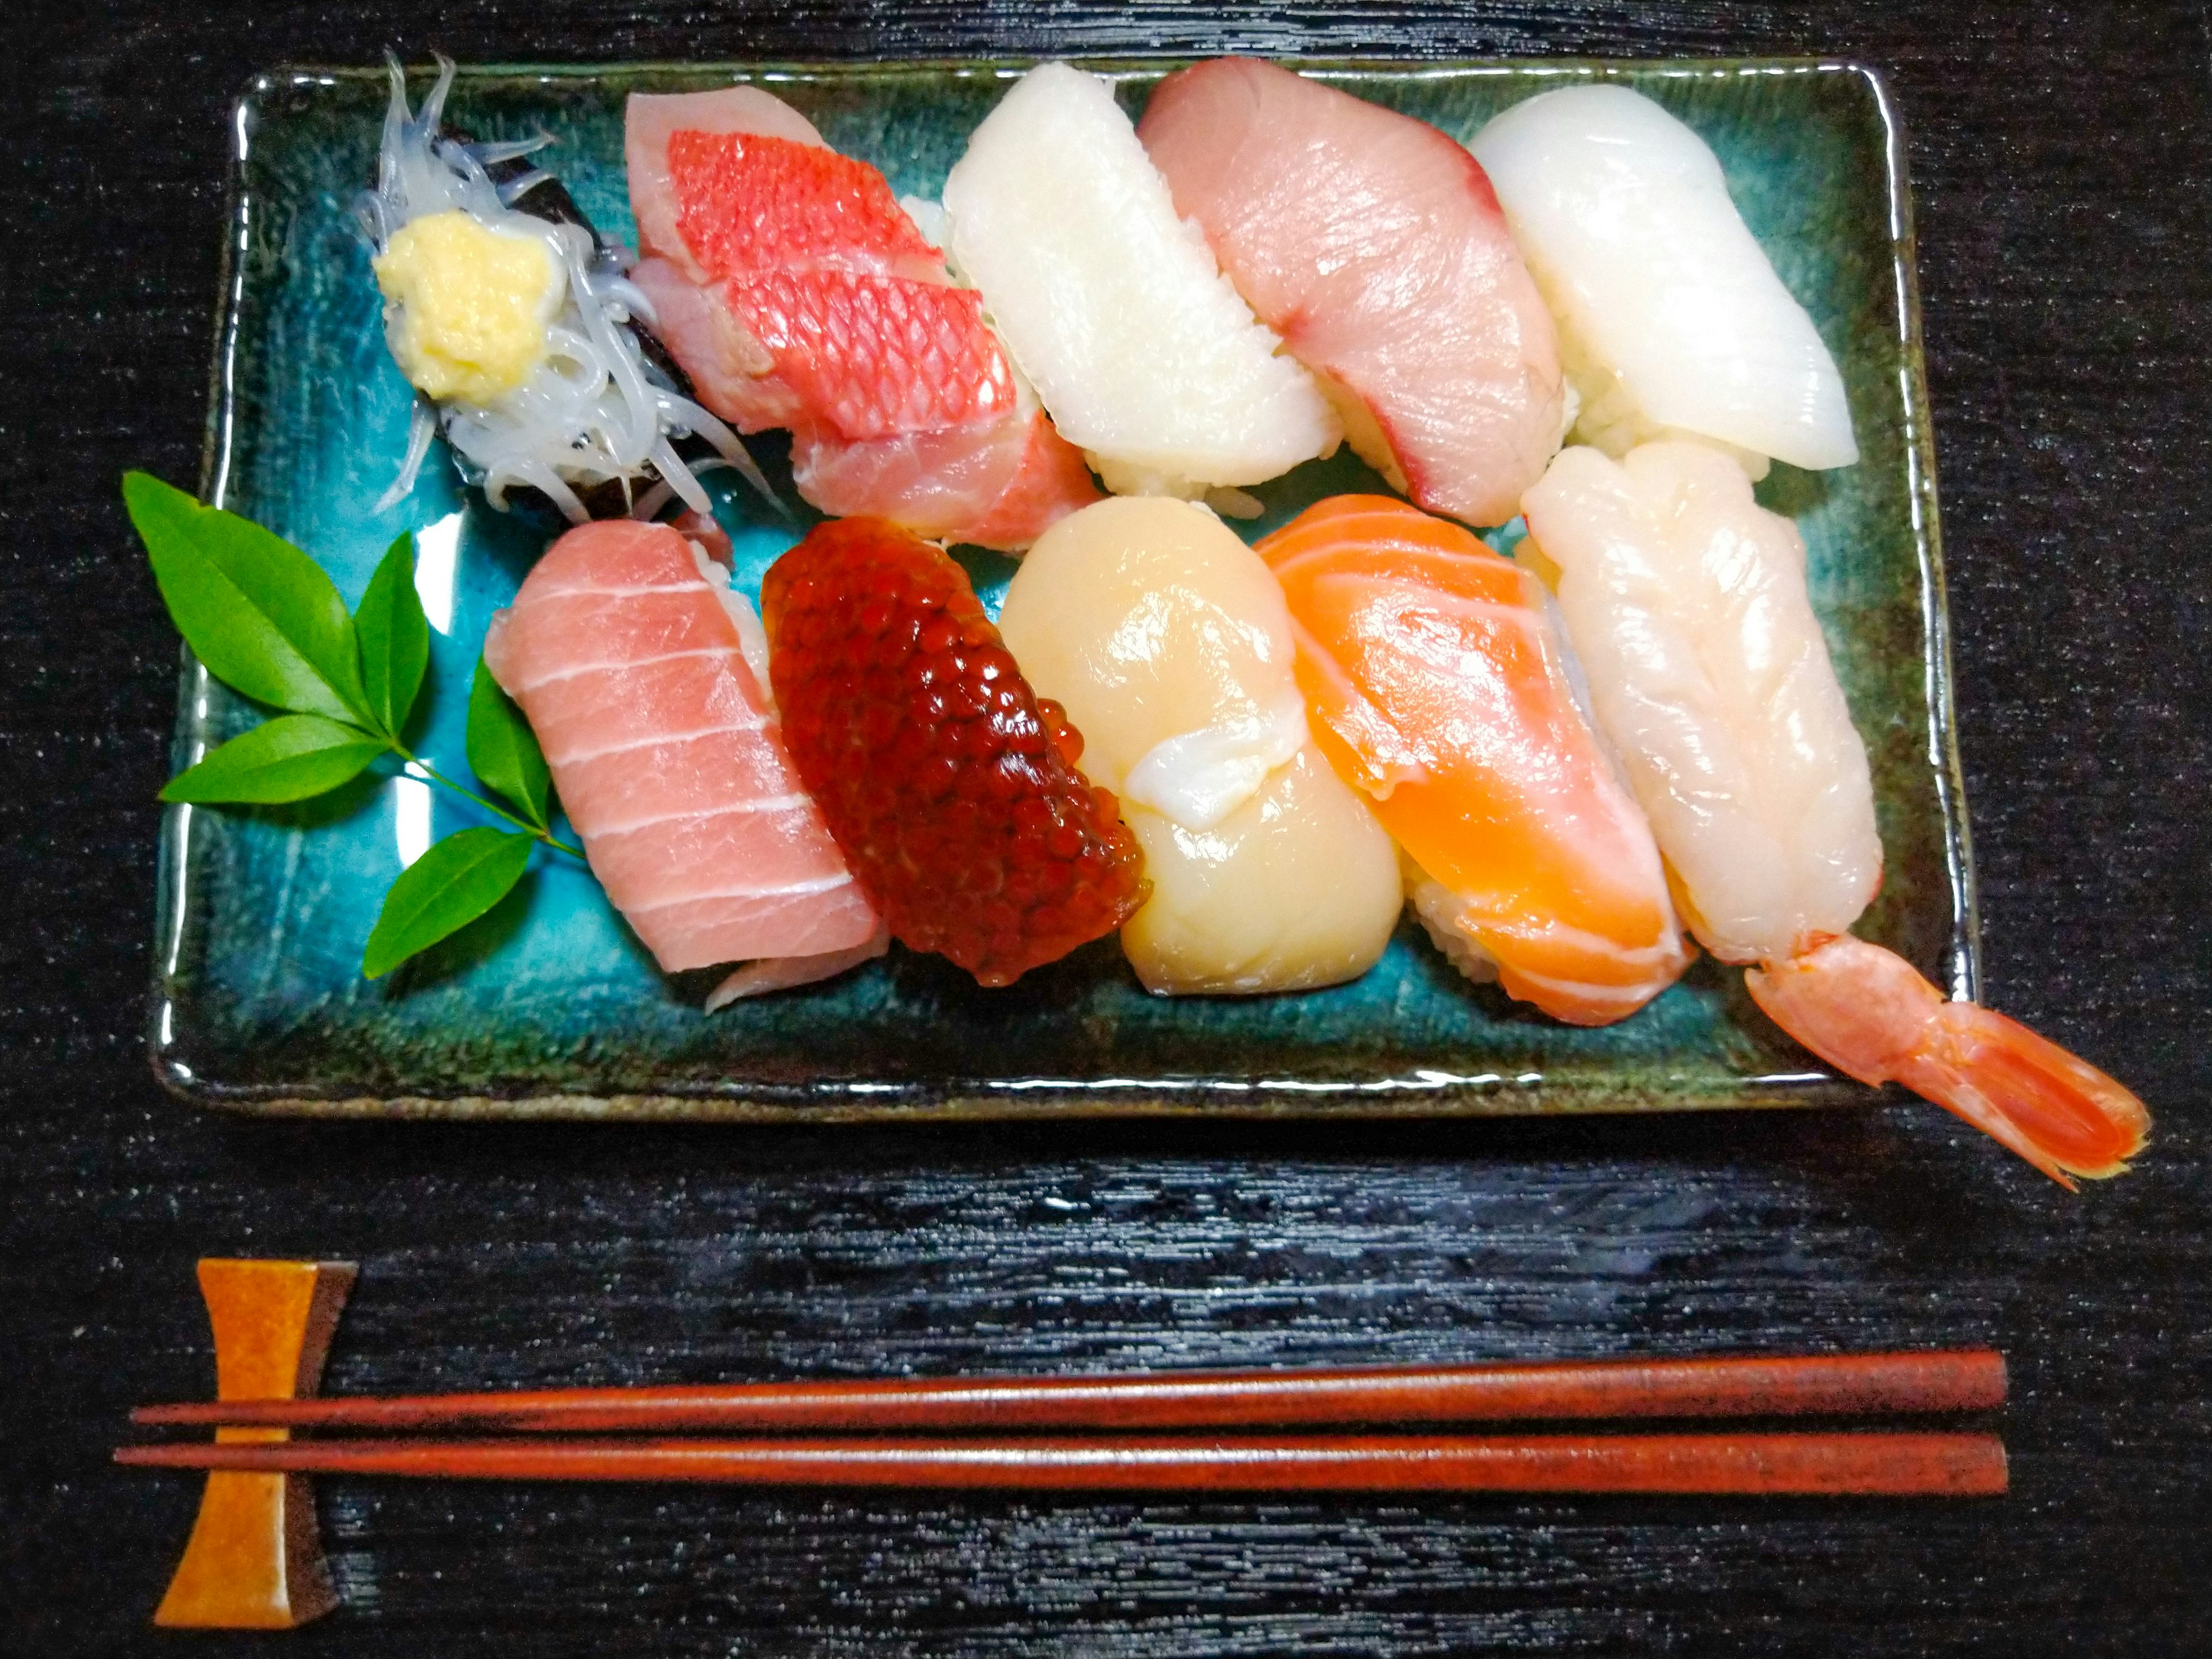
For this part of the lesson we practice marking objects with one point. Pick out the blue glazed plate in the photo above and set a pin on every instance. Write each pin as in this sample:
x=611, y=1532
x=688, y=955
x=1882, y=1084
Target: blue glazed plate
x=550, y=1007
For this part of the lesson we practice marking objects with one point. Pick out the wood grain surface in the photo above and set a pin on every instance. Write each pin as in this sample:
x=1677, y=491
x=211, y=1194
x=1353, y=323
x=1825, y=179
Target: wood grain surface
x=2062, y=154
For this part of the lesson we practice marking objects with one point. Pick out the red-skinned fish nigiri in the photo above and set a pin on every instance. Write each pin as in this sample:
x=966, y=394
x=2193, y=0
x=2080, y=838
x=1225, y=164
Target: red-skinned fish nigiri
x=796, y=292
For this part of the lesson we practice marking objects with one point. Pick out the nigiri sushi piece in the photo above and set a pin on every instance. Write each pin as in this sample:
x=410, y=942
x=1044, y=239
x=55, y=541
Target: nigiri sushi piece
x=512, y=319
x=950, y=784
x=1373, y=243
x=1671, y=318
x=1113, y=306
x=1687, y=603
x=1437, y=687
x=1168, y=642
x=796, y=292
x=643, y=675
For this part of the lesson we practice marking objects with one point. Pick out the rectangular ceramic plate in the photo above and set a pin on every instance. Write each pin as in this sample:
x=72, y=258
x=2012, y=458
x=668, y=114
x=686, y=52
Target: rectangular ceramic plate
x=549, y=1007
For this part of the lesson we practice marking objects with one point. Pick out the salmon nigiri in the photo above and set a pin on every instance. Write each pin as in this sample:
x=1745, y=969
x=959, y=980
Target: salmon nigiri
x=1686, y=603
x=641, y=673
x=796, y=292
x=1374, y=245
x=1437, y=687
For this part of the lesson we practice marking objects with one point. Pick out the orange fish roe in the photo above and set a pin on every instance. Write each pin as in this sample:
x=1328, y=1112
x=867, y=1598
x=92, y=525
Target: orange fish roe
x=949, y=785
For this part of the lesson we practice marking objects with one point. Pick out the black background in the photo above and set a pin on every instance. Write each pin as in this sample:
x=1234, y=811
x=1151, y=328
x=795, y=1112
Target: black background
x=2060, y=155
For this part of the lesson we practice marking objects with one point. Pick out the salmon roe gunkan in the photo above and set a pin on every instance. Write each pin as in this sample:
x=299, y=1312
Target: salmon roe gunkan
x=950, y=785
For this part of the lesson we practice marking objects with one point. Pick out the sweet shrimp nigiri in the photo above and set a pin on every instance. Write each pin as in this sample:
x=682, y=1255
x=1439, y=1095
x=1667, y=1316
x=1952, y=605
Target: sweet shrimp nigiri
x=1687, y=604
x=1438, y=689
x=1168, y=643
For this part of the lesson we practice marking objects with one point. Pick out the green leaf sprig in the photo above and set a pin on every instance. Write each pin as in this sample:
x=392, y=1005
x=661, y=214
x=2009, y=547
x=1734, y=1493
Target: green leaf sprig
x=267, y=621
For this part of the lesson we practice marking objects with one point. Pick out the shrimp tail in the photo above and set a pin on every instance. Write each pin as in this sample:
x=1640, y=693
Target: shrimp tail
x=1868, y=1013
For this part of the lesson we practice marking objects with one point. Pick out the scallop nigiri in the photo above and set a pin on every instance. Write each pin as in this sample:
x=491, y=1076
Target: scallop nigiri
x=1373, y=243
x=1436, y=686
x=1671, y=318
x=1112, y=306
x=796, y=292
x=642, y=676
x=1166, y=641
x=1687, y=603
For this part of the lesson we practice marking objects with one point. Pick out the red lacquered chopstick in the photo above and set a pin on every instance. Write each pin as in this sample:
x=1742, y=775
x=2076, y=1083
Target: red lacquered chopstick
x=1948, y=1464
x=1951, y=1380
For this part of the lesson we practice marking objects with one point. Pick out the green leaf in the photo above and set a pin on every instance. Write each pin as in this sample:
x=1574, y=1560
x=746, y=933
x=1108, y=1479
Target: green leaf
x=260, y=613
x=503, y=752
x=395, y=637
x=443, y=891
x=288, y=758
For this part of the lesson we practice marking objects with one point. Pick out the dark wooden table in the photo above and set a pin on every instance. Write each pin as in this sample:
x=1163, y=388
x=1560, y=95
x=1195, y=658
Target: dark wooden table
x=2061, y=154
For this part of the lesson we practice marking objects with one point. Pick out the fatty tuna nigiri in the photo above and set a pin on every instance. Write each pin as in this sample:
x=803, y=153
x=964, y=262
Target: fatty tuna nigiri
x=1166, y=640
x=1374, y=244
x=1138, y=346
x=1671, y=316
x=1686, y=603
x=1437, y=687
x=641, y=673
x=796, y=292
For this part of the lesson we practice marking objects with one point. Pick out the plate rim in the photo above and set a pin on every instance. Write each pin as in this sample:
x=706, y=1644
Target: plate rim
x=1486, y=1095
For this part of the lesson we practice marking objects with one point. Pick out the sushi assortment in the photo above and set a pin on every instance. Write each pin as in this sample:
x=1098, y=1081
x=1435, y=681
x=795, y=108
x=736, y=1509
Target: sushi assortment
x=1245, y=761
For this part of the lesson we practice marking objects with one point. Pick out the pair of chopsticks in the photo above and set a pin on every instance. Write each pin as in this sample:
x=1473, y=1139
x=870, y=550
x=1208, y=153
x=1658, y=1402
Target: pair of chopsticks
x=986, y=1433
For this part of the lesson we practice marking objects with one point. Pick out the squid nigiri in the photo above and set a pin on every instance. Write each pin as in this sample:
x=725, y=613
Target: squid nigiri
x=1671, y=318
x=1166, y=641
x=1373, y=243
x=1687, y=603
x=796, y=292
x=1437, y=687
x=1144, y=353
x=644, y=677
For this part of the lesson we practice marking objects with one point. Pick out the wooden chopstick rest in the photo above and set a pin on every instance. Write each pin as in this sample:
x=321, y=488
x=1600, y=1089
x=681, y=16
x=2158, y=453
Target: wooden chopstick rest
x=255, y=1561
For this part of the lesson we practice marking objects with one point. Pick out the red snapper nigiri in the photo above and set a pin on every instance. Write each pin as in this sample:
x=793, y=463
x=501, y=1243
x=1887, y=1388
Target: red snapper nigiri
x=796, y=292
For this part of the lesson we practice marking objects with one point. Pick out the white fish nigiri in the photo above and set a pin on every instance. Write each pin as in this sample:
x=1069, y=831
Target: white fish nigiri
x=1685, y=602
x=1671, y=320
x=1168, y=643
x=1113, y=306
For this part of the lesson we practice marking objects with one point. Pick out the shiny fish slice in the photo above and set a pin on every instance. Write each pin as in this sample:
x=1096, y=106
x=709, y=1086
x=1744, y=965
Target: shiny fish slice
x=1112, y=306
x=1373, y=243
x=624, y=650
x=1166, y=640
x=1436, y=687
x=1671, y=316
